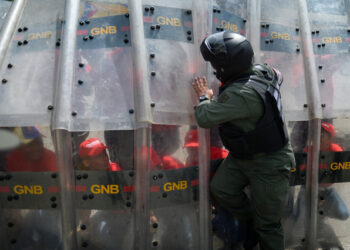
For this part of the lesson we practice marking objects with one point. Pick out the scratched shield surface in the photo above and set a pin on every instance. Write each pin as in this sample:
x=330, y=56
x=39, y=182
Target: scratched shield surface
x=105, y=203
x=331, y=48
x=331, y=39
x=27, y=88
x=102, y=98
x=280, y=47
x=104, y=197
x=169, y=34
x=29, y=192
x=334, y=196
x=102, y=90
x=333, y=176
x=174, y=183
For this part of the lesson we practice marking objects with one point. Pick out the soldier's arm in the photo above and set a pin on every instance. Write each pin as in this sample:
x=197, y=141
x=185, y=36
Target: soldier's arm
x=230, y=106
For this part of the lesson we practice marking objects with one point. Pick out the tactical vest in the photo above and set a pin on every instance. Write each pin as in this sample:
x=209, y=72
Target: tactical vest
x=270, y=133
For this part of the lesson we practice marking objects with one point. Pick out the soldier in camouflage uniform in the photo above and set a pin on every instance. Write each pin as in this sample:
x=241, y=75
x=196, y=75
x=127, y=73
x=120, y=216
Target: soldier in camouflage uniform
x=249, y=115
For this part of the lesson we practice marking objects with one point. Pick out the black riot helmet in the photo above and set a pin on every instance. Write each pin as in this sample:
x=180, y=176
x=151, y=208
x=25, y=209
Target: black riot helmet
x=229, y=53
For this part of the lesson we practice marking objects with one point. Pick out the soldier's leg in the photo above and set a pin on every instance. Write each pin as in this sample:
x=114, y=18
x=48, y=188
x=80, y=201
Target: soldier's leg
x=227, y=187
x=269, y=189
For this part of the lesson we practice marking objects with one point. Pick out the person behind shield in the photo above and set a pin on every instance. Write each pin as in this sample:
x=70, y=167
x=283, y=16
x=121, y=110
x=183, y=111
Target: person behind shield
x=330, y=203
x=31, y=155
x=217, y=152
x=249, y=115
x=165, y=142
x=35, y=230
x=94, y=156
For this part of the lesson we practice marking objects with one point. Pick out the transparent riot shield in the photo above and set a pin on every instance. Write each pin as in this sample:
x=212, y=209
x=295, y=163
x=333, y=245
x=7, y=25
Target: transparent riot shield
x=172, y=32
x=333, y=199
x=331, y=48
x=102, y=96
x=294, y=213
x=30, y=198
x=281, y=48
x=29, y=68
x=104, y=186
x=332, y=204
x=29, y=191
x=174, y=194
x=330, y=37
x=102, y=108
x=169, y=34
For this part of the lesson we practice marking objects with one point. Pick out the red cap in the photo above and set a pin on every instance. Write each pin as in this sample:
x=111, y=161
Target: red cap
x=329, y=128
x=191, y=139
x=91, y=147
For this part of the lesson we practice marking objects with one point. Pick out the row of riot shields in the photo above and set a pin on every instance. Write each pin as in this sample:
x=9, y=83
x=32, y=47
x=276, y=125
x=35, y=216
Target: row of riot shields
x=140, y=167
x=103, y=146
x=105, y=189
x=104, y=184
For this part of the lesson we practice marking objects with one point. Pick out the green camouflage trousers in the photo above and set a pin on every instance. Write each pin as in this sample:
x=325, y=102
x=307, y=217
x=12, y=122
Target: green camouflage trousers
x=268, y=186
